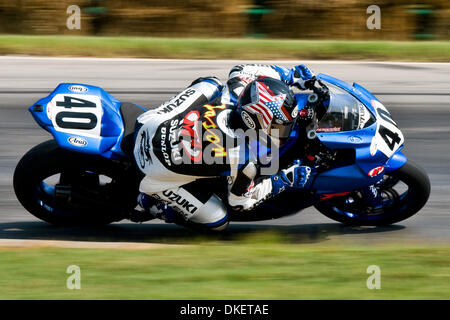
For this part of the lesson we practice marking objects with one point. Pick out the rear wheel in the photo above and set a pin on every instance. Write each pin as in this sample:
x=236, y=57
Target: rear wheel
x=67, y=188
x=404, y=192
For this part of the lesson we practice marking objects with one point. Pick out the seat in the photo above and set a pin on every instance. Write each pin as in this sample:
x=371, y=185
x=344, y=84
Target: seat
x=129, y=112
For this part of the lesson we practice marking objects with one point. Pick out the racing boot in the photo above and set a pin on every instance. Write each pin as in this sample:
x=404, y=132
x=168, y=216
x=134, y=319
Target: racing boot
x=155, y=209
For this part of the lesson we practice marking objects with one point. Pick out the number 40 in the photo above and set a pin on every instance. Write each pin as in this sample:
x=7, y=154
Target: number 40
x=82, y=120
x=391, y=138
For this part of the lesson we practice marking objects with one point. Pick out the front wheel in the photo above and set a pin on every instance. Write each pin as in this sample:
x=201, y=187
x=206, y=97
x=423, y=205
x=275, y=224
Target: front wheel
x=68, y=188
x=404, y=192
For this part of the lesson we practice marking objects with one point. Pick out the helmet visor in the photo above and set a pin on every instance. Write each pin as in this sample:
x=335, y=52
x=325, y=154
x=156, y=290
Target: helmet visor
x=281, y=131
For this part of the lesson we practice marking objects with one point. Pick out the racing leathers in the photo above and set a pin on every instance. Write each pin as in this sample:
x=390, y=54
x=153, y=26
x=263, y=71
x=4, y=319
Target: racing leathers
x=195, y=136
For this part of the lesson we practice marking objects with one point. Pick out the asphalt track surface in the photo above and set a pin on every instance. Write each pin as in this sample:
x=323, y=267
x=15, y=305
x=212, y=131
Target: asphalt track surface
x=417, y=94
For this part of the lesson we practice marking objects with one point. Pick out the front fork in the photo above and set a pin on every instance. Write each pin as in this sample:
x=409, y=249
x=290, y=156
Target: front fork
x=373, y=193
x=372, y=196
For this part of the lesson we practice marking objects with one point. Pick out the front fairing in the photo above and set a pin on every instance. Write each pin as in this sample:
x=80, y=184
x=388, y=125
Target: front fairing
x=370, y=151
x=369, y=156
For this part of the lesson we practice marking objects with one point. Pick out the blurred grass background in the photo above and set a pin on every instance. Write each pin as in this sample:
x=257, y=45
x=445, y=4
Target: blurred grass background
x=259, y=266
x=416, y=30
x=195, y=48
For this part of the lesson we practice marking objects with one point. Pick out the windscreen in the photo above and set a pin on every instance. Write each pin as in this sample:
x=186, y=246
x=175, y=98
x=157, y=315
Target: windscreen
x=344, y=113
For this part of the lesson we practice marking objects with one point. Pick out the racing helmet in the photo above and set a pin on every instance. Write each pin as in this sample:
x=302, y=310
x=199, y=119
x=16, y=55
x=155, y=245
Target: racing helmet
x=268, y=104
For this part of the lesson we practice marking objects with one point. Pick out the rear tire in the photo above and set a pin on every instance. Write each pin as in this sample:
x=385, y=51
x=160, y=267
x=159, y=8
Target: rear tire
x=48, y=159
x=407, y=205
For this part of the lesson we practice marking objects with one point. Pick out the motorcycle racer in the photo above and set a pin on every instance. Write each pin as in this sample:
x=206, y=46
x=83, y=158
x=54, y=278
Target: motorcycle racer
x=199, y=134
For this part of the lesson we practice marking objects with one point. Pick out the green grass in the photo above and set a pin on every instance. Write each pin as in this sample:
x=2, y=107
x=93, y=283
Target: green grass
x=142, y=47
x=263, y=267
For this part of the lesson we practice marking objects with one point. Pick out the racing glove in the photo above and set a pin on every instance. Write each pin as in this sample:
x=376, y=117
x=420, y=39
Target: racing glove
x=294, y=177
x=302, y=77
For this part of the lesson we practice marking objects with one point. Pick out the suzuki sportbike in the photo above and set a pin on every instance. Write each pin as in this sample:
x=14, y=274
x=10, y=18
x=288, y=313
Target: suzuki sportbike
x=87, y=175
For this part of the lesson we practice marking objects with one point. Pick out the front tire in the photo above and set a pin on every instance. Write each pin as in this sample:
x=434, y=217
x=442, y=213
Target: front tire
x=399, y=207
x=47, y=161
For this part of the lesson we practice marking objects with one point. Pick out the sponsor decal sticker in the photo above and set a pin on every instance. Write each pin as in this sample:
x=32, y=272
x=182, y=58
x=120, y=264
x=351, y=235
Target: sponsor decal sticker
x=78, y=89
x=180, y=201
x=166, y=108
x=212, y=137
x=191, y=136
x=144, y=149
x=77, y=141
x=294, y=113
x=375, y=171
x=306, y=113
x=332, y=129
x=364, y=116
x=248, y=120
x=355, y=139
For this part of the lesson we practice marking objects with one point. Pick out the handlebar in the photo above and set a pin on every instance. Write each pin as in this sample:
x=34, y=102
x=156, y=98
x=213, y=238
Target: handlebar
x=321, y=90
x=322, y=94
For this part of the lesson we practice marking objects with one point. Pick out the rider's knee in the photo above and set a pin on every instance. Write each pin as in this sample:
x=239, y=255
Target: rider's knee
x=213, y=215
x=197, y=207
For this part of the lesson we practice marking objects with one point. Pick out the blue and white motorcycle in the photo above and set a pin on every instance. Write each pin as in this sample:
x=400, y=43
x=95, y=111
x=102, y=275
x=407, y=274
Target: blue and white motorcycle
x=87, y=174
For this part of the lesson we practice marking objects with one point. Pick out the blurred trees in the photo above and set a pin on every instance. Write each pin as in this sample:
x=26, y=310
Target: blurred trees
x=305, y=19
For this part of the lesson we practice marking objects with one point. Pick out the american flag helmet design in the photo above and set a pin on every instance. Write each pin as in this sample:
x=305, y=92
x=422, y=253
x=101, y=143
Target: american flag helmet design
x=269, y=101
